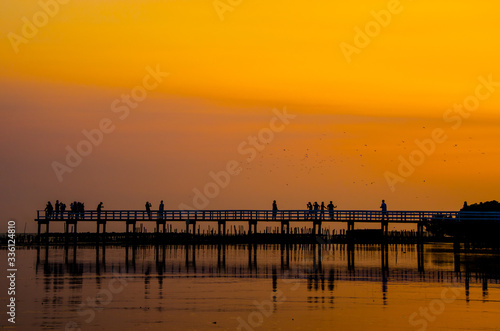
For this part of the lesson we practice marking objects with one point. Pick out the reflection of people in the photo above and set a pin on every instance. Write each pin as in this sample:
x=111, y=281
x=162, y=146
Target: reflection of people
x=383, y=206
x=160, y=210
x=331, y=207
x=275, y=209
x=148, y=209
x=99, y=209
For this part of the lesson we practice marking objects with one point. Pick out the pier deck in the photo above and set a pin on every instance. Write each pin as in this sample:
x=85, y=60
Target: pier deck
x=252, y=217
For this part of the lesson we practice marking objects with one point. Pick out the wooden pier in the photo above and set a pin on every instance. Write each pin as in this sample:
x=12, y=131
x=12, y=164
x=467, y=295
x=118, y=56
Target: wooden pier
x=252, y=218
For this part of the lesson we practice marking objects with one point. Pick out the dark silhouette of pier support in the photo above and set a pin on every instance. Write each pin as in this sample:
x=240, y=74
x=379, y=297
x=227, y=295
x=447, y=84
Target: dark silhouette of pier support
x=385, y=227
x=46, y=223
x=158, y=223
x=252, y=223
x=221, y=224
x=283, y=225
x=190, y=222
x=316, y=224
x=420, y=230
x=350, y=225
x=99, y=223
x=69, y=222
x=133, y=223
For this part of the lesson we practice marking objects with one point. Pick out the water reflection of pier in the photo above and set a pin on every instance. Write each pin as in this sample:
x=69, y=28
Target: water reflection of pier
x=320, y=265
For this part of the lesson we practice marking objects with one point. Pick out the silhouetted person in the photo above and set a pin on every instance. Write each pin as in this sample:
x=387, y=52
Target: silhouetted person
x=148, y=209
x=49, y=210
x=383, y=207
x=331, y=207
x=316, y=208
x=99, y=209
x=77, y=210
x=322, y=210
x=82, y=210
x=310, y=208
x=63, y=209
x=275, y=209
x=160, y=210
x=57, y=205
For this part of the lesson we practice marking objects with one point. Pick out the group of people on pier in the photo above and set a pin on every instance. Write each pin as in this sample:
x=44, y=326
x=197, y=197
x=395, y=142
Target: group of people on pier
x=313, y=210
x=77, y=210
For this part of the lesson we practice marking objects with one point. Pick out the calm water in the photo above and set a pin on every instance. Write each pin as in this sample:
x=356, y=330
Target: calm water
x=263, y=287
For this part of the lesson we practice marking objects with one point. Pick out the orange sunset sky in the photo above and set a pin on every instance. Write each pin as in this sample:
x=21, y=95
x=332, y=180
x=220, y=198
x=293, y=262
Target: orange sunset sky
x=66, y=65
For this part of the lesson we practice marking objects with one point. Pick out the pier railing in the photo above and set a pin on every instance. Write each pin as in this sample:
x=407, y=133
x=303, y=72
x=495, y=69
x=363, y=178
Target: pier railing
x=265, y=215
x=285, y=217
